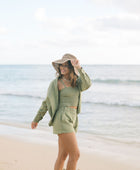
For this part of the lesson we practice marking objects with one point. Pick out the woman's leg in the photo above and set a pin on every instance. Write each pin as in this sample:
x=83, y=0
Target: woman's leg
x=62, y=155
x=70, y=146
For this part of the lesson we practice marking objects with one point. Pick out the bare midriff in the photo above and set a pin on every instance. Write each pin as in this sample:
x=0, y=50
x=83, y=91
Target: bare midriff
x=75, y=107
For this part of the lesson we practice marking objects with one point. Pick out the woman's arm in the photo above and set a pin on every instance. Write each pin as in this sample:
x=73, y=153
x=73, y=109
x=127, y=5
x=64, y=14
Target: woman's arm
x=40, y=114
x=83, y=81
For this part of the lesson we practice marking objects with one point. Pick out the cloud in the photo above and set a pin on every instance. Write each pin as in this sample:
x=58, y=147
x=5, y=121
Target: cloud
x=3, y=30
x=40, y=14
x=84, y=25
x=88, y=31
x=124, y=21
x=132, y=6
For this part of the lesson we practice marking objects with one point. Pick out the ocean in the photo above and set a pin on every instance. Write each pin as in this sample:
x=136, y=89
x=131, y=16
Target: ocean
x=110, y=107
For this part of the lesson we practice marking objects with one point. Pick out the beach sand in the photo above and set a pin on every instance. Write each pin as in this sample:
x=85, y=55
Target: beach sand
x=16, y=154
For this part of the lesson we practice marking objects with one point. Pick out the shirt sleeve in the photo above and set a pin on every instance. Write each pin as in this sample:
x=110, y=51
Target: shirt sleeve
x=41, y=112
x=83, y=80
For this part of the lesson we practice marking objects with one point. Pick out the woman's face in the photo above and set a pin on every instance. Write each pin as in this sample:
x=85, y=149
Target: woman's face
x=64, y=68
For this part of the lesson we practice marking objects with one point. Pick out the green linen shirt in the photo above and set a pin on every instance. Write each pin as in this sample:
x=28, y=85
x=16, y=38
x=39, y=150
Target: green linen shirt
x=51, y=101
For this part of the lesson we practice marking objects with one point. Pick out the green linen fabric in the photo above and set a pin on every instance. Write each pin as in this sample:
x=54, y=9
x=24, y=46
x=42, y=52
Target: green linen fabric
x=51, y=101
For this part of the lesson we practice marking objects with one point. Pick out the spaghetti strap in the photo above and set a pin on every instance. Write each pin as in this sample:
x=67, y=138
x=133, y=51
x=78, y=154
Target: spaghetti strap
x=62, y=82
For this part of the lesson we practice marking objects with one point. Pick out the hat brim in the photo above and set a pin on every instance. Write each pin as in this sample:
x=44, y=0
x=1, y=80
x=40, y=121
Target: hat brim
x=57, y=62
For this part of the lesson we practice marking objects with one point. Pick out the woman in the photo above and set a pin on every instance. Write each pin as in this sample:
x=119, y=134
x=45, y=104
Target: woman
x=63, y=102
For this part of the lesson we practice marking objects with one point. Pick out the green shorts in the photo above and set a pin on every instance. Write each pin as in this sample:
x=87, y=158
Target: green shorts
x=65, y=121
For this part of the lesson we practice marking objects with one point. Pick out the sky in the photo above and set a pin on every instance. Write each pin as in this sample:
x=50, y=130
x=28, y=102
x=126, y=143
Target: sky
x=95, y=31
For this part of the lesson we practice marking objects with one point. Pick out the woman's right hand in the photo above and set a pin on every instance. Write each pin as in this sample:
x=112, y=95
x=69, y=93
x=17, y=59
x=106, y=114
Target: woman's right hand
x=34, y=125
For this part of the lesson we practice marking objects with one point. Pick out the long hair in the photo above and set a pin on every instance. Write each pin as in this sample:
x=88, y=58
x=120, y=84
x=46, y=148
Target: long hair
x=73, y=76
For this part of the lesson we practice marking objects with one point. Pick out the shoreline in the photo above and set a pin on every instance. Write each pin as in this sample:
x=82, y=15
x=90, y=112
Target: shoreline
x=96, y=153
x=21, y=155
x=87, y=142
x=80, y=133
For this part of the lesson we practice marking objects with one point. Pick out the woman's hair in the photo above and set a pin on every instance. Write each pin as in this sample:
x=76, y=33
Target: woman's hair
x=73, y=76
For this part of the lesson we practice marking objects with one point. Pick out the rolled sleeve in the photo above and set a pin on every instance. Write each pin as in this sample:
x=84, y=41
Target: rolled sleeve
x=41, y=112
x=84, y=81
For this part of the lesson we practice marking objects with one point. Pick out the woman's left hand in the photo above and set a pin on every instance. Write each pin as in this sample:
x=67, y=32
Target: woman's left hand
x=75, y=63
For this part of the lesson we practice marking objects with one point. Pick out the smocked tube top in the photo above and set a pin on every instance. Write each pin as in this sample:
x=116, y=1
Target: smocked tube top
x=69, y=96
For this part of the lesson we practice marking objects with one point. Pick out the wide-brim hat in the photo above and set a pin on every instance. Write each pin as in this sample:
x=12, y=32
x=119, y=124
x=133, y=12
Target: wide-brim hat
x=65, y=58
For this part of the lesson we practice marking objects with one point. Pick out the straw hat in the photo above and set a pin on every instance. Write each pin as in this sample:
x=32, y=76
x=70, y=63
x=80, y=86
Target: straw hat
x=65, y=58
